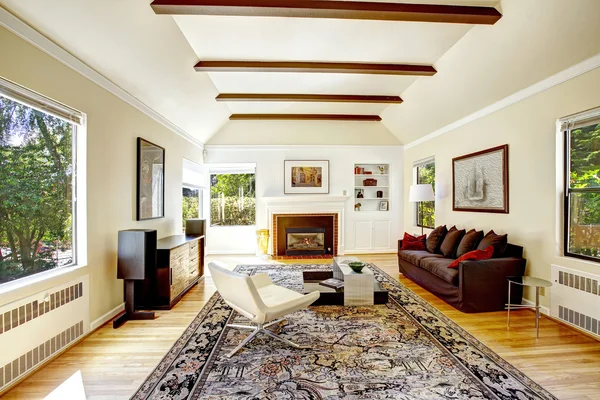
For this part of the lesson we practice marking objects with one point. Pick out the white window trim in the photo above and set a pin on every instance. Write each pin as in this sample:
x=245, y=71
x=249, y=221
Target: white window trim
x=80, y=193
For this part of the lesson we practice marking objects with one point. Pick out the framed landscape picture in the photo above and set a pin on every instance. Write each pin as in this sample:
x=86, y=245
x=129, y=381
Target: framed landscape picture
x=150, y=180
x=480, y=181
x=306, y=177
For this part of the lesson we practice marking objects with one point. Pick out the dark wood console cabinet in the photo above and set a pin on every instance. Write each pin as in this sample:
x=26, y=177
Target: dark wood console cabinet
x=179, y=266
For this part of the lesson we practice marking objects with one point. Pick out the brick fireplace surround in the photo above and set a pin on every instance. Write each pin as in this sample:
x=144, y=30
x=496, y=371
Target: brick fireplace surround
x=280, y=221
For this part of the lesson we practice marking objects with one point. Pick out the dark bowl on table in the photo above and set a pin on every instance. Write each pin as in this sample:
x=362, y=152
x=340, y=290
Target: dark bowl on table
x=357, y=266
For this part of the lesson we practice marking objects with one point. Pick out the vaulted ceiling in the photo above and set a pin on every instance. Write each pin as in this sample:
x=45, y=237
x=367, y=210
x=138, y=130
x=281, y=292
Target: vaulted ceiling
x=151, y=53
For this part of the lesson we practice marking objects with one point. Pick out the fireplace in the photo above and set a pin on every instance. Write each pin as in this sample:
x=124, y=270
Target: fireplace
x=304, y=241
x=305, y=234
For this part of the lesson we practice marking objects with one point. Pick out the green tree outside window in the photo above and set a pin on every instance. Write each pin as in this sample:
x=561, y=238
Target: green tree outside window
x=426, y=174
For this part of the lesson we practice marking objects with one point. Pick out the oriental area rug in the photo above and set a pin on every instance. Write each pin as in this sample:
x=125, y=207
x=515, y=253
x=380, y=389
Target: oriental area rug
x=403, y=350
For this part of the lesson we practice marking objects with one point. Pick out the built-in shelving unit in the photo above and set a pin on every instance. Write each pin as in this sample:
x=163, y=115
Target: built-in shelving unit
x=369, y=200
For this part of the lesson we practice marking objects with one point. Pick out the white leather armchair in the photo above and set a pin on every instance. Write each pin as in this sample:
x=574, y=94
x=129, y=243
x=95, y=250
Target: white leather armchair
x=258, y=299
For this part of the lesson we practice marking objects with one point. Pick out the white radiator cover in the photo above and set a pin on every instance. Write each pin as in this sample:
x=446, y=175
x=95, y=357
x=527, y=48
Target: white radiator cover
x=575, y=298
x=32, y=330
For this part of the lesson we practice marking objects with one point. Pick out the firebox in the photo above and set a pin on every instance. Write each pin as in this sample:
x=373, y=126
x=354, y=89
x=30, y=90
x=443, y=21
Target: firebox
x=304, y=241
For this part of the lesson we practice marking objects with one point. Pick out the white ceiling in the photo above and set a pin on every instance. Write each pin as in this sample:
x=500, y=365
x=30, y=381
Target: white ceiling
x=152, y=57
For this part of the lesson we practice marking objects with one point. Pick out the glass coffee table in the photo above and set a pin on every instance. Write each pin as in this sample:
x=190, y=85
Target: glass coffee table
x=531, y=282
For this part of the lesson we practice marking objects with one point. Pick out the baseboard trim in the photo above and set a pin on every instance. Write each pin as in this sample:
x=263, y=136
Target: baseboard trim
x=384, y=251
x=543, y=310
x=107, y=317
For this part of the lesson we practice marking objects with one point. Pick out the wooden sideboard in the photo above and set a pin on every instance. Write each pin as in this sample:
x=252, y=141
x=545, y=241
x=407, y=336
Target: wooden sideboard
x=179, y=266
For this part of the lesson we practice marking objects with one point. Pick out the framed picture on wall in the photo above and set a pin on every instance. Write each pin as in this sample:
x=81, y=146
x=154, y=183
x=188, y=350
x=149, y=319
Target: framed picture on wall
x=150, y=180
x=480, y=181
x=306, y=177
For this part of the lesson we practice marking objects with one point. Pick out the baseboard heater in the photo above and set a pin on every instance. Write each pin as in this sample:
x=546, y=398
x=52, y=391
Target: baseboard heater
x=575, y=298
x=36, y=328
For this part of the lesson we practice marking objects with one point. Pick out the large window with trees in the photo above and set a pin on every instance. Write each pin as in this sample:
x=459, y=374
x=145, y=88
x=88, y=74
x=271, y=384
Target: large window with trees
x=582, y=185
x=37, y=183
x=425, y=173
x=232, y=196
x=193, y=178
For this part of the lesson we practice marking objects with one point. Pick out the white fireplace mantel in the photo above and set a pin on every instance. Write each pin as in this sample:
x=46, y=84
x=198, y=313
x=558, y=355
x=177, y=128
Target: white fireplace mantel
x=307, y=204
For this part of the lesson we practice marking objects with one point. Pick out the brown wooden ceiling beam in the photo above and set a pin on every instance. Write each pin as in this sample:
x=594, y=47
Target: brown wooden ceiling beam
x=304, y=117
x=360, y=10
x=316, y=67
x=315, y=98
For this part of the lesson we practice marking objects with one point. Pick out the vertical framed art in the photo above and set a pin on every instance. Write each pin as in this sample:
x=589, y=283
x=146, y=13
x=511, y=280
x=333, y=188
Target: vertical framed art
x=150, y=202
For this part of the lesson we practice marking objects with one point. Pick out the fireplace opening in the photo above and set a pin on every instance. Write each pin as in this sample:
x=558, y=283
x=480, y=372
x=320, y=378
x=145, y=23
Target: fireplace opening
x=305, y=241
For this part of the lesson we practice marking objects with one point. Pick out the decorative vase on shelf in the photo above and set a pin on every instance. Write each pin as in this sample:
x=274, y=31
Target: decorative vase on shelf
x=379, y=194
x=357, y=170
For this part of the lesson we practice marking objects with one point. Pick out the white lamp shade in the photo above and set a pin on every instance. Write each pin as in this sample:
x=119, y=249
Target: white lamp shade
x=421, y=192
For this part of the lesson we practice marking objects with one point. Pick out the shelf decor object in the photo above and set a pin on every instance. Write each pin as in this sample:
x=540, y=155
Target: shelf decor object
x=480, y=181
x=150, y=180
x=418, y=194
x=306, y=177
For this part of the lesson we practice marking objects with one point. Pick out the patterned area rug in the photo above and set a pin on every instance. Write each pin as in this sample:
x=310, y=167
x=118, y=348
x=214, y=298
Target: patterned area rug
x=405, y=349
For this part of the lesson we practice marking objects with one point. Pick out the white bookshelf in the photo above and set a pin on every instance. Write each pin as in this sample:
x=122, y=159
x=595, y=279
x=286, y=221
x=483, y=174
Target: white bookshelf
x=370, y=201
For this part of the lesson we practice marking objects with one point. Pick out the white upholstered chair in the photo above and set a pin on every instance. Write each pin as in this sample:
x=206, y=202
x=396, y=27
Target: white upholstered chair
x=258, y=299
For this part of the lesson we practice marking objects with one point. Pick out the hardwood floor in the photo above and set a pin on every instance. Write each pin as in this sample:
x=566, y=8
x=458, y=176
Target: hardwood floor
x=114, y=363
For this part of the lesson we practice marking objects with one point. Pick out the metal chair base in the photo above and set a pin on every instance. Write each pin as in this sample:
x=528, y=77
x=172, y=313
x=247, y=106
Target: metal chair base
x=260, y=328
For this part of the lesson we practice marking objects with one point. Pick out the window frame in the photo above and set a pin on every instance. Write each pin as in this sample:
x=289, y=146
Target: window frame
x=567, y=191
x=78, y=121
x=416, y=167
x=226, y=169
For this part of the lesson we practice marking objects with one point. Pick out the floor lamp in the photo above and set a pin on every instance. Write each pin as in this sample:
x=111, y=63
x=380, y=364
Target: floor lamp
x=418, y=194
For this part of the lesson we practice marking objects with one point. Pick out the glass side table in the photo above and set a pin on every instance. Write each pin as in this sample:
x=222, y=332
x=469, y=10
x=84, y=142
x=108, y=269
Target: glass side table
x=532, y=282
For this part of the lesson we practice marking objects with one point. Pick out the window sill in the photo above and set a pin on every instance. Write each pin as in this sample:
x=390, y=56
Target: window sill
x=12, y=287
x=579, y=260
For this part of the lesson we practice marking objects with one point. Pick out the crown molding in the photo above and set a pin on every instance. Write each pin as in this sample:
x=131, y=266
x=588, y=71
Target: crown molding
x=543, y=85
x=29, y=34
x=278, y=147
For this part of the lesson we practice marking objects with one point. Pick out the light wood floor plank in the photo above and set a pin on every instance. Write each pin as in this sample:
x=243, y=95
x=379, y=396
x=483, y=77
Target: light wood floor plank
x=114, y=363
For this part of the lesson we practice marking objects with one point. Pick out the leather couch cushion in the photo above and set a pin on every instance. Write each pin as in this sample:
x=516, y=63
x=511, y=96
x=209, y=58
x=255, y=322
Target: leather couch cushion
x=415, y=256
x=435, y=238
x=469, y=242
x=492, y=239
x=451, y=241
x=439, y=268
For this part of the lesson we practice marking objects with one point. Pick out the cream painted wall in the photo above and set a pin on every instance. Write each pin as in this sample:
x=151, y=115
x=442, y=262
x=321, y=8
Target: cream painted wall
x=304, y=133
x=112, y=129
x=529, y=128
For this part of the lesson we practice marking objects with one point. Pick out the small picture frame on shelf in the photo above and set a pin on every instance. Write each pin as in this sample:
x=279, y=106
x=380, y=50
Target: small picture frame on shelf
x=359, y=193
x=383, y=205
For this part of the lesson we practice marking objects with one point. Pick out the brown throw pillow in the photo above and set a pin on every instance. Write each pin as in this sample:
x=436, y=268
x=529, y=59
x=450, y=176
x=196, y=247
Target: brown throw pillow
x=435, y=238
x=468, y=242
x=492, y=239
x=451, y=240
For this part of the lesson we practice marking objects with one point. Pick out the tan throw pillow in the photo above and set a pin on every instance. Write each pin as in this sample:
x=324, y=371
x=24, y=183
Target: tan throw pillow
x=469, y=242
x=434, y=240
x=451, y=240
x=492, y=239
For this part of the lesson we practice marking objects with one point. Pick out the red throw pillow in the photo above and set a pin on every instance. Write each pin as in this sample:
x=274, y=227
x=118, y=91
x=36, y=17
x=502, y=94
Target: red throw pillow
x=410, y=242
x=473, y=255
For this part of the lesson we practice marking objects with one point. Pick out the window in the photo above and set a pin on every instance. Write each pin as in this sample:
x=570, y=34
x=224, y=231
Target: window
x=425, y=173
x=582, y=185
x=37, y=183
x=232, y=196
x=193, y=187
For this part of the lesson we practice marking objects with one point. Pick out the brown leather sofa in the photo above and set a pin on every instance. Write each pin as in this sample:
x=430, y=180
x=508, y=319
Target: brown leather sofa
x=476, y=286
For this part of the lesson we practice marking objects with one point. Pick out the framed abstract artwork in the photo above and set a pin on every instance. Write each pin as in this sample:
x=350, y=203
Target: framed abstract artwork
x=150, y=180
x=480, y=181
x=306, y=177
